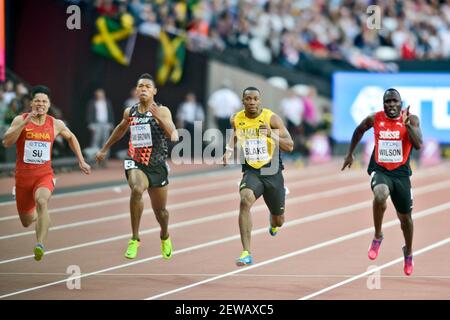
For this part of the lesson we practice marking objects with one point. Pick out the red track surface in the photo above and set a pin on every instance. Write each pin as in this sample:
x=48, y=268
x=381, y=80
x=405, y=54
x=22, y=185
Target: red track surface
x=320, y=253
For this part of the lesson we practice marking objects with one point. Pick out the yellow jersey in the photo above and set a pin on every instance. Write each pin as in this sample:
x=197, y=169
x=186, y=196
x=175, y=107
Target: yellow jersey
x=257, y=149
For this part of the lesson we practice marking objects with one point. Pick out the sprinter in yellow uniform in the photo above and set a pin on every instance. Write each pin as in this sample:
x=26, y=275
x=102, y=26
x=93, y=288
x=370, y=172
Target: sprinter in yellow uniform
x=259, y=135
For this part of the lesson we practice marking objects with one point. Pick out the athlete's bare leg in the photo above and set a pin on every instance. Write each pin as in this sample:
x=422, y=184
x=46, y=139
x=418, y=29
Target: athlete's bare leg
x=28, y=218
x=42, y=197
x=381, y=193
x=245, y=220
x=276, y=220
x=138, y=182
x=158, y=197
x=407, y=226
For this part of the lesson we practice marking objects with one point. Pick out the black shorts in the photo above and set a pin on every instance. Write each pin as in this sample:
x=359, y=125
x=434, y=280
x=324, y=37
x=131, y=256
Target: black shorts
x=157, y=175
x=399, y=189
x=270, y=187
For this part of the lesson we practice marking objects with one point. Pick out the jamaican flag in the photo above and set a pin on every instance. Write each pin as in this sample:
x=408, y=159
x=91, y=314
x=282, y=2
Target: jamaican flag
x=171, y=54
x=112, y=36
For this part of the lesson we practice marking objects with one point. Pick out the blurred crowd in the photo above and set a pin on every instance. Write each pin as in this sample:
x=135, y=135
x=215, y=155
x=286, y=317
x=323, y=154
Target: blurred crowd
x=291, y=31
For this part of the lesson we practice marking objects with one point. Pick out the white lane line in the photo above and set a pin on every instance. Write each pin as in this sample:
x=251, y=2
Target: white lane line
x=203, y=275
x=191, y=189
x=386, y=265
x=418, y=215
x=311, y=170
x=320, y=245
x=289, y=201
x=183, y=205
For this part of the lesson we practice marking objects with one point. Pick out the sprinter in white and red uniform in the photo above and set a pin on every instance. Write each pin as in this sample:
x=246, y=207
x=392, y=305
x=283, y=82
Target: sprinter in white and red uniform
x=395, y=131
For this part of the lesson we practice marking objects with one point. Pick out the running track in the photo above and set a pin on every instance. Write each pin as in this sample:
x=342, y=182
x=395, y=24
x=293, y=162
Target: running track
x=320, y=252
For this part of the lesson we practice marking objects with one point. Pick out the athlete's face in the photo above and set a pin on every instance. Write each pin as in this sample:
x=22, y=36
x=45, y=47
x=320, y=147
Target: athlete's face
x=40, y=104
x=392, y=104
x=145, y=89
x=252, y=102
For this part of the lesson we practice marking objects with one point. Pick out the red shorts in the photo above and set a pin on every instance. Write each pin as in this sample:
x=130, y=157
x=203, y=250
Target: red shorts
x=26, y=186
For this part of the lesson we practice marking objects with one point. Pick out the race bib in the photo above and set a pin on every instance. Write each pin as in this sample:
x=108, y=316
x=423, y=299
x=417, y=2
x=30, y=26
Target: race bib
x=390, y=151
x=36, y=152
x=256, y=150
x=129, y=164
x=141, y=135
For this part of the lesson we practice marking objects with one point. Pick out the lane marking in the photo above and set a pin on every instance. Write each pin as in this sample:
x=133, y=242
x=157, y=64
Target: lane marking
x=389, y=224
x=214, y=174
x=375, y=269
x=320, y=245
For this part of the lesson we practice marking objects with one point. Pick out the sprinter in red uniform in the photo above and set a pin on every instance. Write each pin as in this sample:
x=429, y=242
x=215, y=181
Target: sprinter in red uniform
x=395, y=131
x=34, y=133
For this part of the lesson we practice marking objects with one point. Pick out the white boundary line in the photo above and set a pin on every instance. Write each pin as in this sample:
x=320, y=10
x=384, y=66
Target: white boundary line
x=193, y=203
x=391, y=223
x=372, y=270
x=320, y=245
x=184, y=190
x=295, y=200
x=309, y=171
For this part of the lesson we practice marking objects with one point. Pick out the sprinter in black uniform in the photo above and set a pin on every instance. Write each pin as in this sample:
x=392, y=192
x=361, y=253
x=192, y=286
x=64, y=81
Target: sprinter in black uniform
x=145, y=167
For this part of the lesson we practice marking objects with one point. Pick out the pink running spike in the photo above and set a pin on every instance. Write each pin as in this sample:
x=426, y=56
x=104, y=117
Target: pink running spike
x=374, y=249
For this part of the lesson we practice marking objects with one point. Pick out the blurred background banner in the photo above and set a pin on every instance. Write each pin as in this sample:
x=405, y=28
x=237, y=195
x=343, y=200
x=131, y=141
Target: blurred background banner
x=357, y=95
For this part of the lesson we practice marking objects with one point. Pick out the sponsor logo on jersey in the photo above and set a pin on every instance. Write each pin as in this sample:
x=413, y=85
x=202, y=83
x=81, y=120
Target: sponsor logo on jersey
x=389, y=134
x=38, y=135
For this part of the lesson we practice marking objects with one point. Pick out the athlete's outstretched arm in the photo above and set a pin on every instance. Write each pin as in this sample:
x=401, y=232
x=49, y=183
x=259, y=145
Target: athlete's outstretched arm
x=117, y=134
x=412, y=124
x=229, y=148
x=365, y=125
x=62, y=130
x=164, y=117
x=14, y=131
x=281, y=134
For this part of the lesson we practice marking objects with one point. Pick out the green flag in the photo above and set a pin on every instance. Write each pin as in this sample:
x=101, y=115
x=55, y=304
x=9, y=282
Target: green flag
x=111, y=34
x=171, y=56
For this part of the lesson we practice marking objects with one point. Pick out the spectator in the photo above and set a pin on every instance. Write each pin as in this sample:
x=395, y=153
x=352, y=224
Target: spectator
x=190, y=112
x=224, y=102
x=132, y=99
x=99, y=118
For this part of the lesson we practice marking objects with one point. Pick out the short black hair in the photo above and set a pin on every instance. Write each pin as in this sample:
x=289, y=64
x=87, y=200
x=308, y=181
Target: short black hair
x=40, y=89
x=391, y=90
x=250, y=89
x=146, y=76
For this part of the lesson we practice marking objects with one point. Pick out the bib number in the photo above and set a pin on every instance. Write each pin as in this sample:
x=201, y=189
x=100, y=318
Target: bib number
x=256, y=150
x=36, y=152
x=129, y=164
x=141, y=136
x=390, y=151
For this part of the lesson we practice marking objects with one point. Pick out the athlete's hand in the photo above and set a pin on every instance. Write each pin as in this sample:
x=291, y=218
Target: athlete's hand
x=226, y=156
x=348, y=161
x=154, y=110
x=100, y=156
x=85, y=168
x=265, y=130
x=405, y=116
x=29, y=116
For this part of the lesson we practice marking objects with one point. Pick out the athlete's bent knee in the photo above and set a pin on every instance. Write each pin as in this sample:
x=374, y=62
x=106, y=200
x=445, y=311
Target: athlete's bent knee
x=137, y=190
x=41, y=202
x=381, y=193
x=246, y=200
